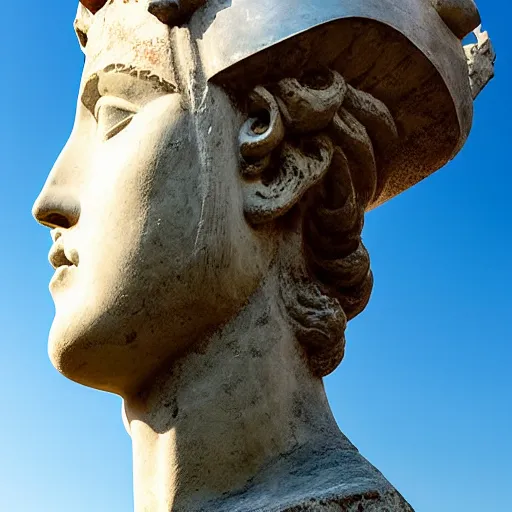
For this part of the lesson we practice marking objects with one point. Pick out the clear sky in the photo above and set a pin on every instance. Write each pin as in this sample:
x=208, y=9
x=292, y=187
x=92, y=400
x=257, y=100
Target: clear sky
x=425, y=388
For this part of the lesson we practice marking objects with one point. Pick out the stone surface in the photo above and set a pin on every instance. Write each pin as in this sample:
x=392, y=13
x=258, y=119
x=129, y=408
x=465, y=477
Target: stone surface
x=481, y=57
x=461, y=16
x=207, y=233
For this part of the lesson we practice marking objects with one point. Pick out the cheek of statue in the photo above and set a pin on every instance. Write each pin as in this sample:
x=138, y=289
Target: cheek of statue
x=161, y=236
x=139, y=212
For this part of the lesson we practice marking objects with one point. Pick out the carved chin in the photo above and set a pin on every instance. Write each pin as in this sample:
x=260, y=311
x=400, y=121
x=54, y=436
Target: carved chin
x=92, y=356
x=98, y=366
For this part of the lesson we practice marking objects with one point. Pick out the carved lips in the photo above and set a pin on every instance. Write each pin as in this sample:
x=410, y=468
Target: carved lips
x=59, y=257
x=63, y=261
x=93, y=5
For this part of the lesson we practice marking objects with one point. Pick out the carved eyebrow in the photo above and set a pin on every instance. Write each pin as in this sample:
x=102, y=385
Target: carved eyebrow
x=142, y=74
x=91, y=93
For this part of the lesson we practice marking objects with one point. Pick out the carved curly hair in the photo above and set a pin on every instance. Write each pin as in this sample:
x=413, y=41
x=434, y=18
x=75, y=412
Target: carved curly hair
x=319, y=112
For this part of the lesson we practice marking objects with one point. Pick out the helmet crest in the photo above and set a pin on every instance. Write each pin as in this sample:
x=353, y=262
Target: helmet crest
x=170, y=12
x=93, y=5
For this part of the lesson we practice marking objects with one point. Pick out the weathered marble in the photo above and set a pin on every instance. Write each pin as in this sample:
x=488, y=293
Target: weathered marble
x=481, y=57
x=207, y=213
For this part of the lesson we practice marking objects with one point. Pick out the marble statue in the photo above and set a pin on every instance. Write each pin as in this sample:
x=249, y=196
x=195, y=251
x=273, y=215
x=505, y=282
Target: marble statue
x=206, y=216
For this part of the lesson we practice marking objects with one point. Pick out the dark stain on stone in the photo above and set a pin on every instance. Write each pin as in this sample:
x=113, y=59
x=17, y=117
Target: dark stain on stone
x=264, y=318
x=255, y=353
x=130, y=338
x=173, y=406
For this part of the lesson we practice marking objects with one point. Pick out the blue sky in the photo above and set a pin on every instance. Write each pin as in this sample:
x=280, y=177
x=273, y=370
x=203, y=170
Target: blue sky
x=425, y=389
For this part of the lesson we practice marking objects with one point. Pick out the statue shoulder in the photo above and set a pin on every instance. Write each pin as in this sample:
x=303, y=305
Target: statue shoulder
x=330, y=477
x=371, y=501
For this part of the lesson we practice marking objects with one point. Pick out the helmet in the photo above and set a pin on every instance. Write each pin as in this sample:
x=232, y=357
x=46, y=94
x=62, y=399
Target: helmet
x=406, y=53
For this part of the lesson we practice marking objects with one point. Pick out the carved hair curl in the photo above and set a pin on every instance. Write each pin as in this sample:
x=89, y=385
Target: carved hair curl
x=320, y=112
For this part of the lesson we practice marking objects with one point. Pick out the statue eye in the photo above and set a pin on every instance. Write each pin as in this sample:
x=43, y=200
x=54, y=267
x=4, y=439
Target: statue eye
x=113, y=115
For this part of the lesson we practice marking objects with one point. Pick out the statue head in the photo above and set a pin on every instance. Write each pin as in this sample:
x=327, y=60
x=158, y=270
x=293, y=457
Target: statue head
x=214, y=149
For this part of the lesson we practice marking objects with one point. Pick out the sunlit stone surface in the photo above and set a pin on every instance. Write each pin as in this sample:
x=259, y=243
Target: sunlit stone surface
x=206, y=215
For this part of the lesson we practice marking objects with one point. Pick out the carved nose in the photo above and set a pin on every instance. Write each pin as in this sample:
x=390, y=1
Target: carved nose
x=56, y=208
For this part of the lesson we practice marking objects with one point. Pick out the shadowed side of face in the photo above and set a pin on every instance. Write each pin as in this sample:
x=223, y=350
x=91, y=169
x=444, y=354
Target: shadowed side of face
x=148, y=229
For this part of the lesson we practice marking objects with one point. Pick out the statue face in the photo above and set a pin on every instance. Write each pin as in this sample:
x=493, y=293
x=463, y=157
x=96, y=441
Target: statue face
x=146, y=212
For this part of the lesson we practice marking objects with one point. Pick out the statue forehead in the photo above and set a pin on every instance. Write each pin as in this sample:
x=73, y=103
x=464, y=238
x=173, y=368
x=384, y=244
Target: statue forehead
x=125, y=33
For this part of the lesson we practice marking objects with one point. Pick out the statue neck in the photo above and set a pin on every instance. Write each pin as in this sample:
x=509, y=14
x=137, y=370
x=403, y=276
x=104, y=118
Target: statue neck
x=211, y=422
